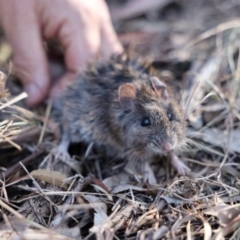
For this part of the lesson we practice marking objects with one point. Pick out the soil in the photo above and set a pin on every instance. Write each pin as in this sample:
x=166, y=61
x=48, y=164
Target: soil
x=195, y=46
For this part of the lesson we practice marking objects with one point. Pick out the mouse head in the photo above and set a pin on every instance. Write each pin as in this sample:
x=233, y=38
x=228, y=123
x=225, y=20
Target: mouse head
x=153, y=122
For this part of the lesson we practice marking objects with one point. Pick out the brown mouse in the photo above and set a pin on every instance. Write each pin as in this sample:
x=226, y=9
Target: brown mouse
x=119, y=107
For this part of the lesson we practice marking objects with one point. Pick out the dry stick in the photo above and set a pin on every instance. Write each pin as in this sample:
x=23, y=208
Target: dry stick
x=230, y=130
x=190, y=98
x=6, y=127
x=49, y=107
x=230, y=52
x=25, y=112
x=70, y=186
x=19, y=216
x=235, y=86
x=221, y=95
x=228, y=228
x=17, y=165
x=208, y=164
x=35, y=183
x=220, y=28
x=8, y=139
x=198, y=105
x=18, y=117
x=59, y=217
x=214, y=120
x=3, y=189
x=14, y=100
x=12, y=143
x=9, y=72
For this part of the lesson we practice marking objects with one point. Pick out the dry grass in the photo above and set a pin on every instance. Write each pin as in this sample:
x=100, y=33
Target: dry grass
x=104, y=201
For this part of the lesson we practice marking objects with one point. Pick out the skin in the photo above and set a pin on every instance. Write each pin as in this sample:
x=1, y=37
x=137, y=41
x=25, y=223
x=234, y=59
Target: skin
x=82, y=27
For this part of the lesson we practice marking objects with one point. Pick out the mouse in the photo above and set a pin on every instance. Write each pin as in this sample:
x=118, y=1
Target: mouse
x=124, y=110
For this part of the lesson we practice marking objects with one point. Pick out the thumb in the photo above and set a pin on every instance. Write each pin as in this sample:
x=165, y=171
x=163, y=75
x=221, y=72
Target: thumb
x=30, y=65
x=31, y=68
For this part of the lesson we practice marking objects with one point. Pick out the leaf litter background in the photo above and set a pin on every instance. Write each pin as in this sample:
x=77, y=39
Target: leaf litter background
x=195, y=46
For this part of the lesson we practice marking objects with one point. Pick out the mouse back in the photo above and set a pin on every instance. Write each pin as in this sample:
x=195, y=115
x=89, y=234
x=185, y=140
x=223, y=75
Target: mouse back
x=120, y=105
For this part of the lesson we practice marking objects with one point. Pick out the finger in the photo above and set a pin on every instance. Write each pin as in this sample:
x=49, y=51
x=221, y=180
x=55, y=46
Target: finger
x=81, y=43
x=110, y=42
x=30, y=63
x=80, y=38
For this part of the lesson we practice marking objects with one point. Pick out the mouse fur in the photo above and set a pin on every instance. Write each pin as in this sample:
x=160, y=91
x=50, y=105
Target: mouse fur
x=122, y=109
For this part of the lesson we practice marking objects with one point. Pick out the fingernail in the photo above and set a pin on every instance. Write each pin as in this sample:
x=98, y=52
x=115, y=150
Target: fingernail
x=33, y=92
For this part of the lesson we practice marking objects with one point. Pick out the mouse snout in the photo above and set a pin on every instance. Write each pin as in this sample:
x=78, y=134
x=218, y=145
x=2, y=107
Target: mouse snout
x=167, y=146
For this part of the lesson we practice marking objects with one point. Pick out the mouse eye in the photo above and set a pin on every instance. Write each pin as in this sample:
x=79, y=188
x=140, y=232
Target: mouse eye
x=170, y=116
x=146, y=122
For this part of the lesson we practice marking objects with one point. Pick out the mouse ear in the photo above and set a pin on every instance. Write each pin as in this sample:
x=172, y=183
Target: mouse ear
x=159, y=88
x=126, y=93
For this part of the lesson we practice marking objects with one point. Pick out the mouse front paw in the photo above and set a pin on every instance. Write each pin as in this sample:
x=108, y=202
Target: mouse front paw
x=181, y=167
x=61, y=153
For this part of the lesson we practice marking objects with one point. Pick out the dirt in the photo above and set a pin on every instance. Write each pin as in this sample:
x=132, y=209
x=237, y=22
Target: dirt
x=194, y=44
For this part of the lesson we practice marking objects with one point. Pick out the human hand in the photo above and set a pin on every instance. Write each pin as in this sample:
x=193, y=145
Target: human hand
x=82, y=27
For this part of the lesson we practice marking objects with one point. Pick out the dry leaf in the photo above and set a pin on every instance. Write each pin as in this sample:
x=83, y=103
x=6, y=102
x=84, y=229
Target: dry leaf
x=114, y=181
x=160, y=233
x=51, y=177
x=225, y=213
x=30, y=234
x=229, y=228
x=207, y=229
x=220, y=138
x=100, y=215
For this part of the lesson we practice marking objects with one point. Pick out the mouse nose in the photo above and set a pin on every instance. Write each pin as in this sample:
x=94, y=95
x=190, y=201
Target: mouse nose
x=167, y=146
